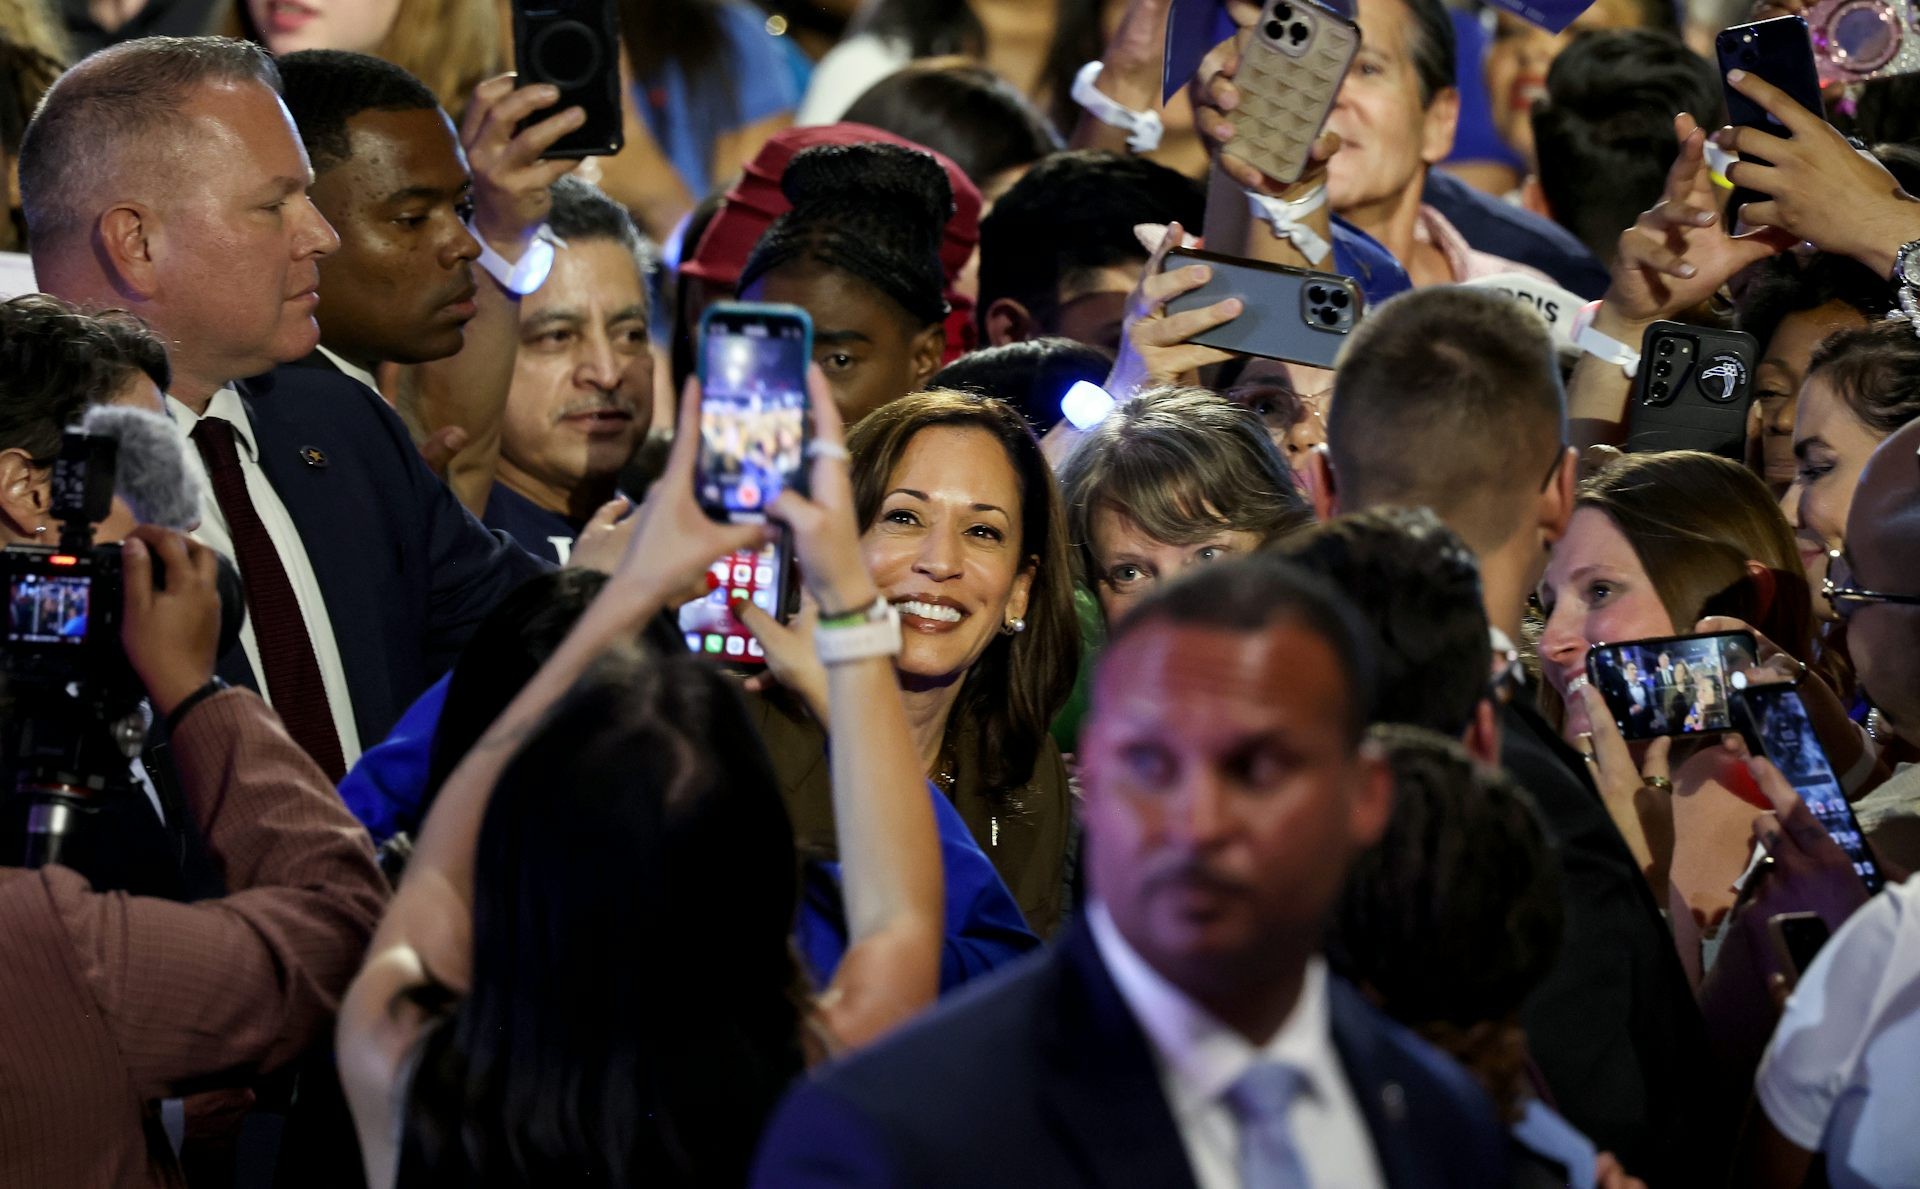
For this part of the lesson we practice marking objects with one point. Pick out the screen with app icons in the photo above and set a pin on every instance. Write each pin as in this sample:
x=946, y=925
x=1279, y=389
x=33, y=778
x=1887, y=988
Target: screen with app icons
x=710, y=628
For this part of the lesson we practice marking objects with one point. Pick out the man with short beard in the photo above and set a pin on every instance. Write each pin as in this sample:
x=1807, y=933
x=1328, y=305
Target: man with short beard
x=582, y=395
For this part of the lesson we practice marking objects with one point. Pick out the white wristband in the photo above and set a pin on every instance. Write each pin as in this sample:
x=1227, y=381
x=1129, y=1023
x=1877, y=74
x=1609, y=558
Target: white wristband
x=840, y=644
x=1143, y=128
x=525, y=275
x=1603, y=346
x=1286, y=220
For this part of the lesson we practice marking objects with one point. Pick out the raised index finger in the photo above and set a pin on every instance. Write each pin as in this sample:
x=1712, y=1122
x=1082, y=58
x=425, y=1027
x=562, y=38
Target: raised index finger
x=1777, y=103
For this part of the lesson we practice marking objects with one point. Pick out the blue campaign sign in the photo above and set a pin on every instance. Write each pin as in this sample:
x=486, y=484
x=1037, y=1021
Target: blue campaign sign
x=1551, y=15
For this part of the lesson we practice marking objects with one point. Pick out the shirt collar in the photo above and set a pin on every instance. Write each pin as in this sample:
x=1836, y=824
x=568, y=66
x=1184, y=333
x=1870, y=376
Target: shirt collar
x=226, y=405
x=1203, y=1058
x=358, y=373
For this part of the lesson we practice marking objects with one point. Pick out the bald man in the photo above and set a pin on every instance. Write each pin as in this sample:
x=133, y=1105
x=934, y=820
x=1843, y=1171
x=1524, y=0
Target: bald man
x=1877, y=582
x=165, y=176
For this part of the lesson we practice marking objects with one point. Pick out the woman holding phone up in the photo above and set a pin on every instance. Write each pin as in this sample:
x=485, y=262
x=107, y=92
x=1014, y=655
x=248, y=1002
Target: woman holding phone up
x=512, y=1025
x=961, y=526
x=1656, y=542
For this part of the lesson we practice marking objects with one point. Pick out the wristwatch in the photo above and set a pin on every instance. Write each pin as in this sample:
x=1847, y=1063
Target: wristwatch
x=1906, y=265
x=873, y=630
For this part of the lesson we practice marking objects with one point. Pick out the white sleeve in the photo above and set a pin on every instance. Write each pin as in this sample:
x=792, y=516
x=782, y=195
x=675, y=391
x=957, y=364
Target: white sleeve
x=845, y=74
x=1833, y=1015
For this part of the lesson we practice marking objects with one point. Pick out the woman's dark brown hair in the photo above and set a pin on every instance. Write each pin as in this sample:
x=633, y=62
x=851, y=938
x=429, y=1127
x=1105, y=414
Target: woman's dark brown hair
x=1015, y=688
x=1876, y=371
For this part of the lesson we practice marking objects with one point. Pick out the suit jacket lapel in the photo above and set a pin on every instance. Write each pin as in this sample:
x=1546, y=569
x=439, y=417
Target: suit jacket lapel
x=1382, y=1099
x=1102, y=1088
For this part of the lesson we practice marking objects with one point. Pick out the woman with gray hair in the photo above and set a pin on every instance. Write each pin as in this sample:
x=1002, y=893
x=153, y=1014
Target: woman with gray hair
x=1172, y=478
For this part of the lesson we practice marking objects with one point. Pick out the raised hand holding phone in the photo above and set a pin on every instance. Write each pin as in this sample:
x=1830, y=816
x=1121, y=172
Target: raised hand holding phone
x=826, y=536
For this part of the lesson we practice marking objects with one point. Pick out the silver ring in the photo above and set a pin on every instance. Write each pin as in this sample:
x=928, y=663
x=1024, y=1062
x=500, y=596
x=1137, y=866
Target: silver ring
x=820, y=448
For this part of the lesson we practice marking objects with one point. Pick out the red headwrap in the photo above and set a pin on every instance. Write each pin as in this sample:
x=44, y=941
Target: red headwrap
x=755, y=201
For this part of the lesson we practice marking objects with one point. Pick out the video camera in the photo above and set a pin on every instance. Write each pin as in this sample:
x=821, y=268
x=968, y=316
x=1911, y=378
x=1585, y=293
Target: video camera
x=72, y=712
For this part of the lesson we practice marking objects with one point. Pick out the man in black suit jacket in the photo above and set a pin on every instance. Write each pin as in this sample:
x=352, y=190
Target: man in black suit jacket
x=1480, y=440
x=1227, y=791
x=165, y=176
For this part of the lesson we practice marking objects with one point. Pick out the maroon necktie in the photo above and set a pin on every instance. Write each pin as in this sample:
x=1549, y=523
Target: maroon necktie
x=286, y=651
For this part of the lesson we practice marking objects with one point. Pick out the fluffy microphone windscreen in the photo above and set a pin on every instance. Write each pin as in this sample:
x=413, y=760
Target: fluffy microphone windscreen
x=158, y=480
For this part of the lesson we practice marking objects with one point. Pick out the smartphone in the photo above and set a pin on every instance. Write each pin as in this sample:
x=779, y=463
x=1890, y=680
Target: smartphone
x=1672, y=685
x=1692, y=390
x=765, y=577
x=754, y=425
x=1289, y=77
x=1295, y=314
x=1774, y=722
x=1797, y=938
x=1781, y=52
x=573, y=45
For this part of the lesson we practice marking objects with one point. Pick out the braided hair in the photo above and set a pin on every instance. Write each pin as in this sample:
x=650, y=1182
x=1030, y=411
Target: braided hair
x=873, y=211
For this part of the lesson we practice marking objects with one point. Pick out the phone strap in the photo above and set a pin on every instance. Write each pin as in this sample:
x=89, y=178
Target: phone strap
x=1143, y=128
x=1286, y=219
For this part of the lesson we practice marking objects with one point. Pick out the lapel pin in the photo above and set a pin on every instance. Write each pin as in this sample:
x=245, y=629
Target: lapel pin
x=1393, y=1102
x=313, y=456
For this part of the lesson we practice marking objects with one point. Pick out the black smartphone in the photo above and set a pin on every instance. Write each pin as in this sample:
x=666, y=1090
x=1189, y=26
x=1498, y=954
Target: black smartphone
x=754, y=425
x=1797, y=938
x=1672, y=685
x=765, y=577
x=1692, y=390
x=573, y=45
x=1780, y=51
x=1774, y=722
x=1294, y=314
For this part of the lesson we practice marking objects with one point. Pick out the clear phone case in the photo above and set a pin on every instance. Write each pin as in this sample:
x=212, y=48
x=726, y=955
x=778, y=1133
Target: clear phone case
x=1289, y=78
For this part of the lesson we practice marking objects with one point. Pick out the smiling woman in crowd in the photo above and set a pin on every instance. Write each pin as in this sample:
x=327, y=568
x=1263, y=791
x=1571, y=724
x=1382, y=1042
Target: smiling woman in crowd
x=961, y=527
x=1656, y=543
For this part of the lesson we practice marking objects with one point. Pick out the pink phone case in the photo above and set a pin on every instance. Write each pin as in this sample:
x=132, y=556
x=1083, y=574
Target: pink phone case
x=1289, y=78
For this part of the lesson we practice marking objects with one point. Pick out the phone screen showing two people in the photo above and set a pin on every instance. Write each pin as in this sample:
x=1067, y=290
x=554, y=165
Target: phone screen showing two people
x=753, y=412
x=1674, y=686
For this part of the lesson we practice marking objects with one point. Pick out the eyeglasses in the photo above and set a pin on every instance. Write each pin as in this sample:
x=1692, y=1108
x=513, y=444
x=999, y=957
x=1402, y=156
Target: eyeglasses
x=1845, y=598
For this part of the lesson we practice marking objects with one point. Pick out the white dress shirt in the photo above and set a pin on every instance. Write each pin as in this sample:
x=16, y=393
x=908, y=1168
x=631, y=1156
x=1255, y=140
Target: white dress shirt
x=214, y=533
x=1199, y=1059
x=356, y=373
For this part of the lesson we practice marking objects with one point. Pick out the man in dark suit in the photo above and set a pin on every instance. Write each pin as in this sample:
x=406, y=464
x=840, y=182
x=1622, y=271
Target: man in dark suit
x=1187, y=1031
x=165, y=176
x=1481, y=441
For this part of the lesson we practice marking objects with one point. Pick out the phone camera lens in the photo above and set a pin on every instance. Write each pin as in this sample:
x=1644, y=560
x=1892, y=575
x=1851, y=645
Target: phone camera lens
x=1316, y=294
x=1283, y=13
x=1328, y=316
x=1748, y=56
x=1660, y=390
x=1275, y=31
x=1339, y=299
x=1298, y=33
x=1663, y=369
x=1666, y=346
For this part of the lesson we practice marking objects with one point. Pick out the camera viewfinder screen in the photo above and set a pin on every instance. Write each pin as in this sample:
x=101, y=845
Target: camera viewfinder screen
x=753, y=412
x=1786, y=735
x=48, y=609
x=1671, y=687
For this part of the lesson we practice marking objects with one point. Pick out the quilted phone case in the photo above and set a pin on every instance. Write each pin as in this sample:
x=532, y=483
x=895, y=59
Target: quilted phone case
x=1288, y=79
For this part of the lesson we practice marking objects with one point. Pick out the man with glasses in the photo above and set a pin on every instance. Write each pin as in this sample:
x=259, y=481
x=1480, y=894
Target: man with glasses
x=1480, y=439
x=1874, y=584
